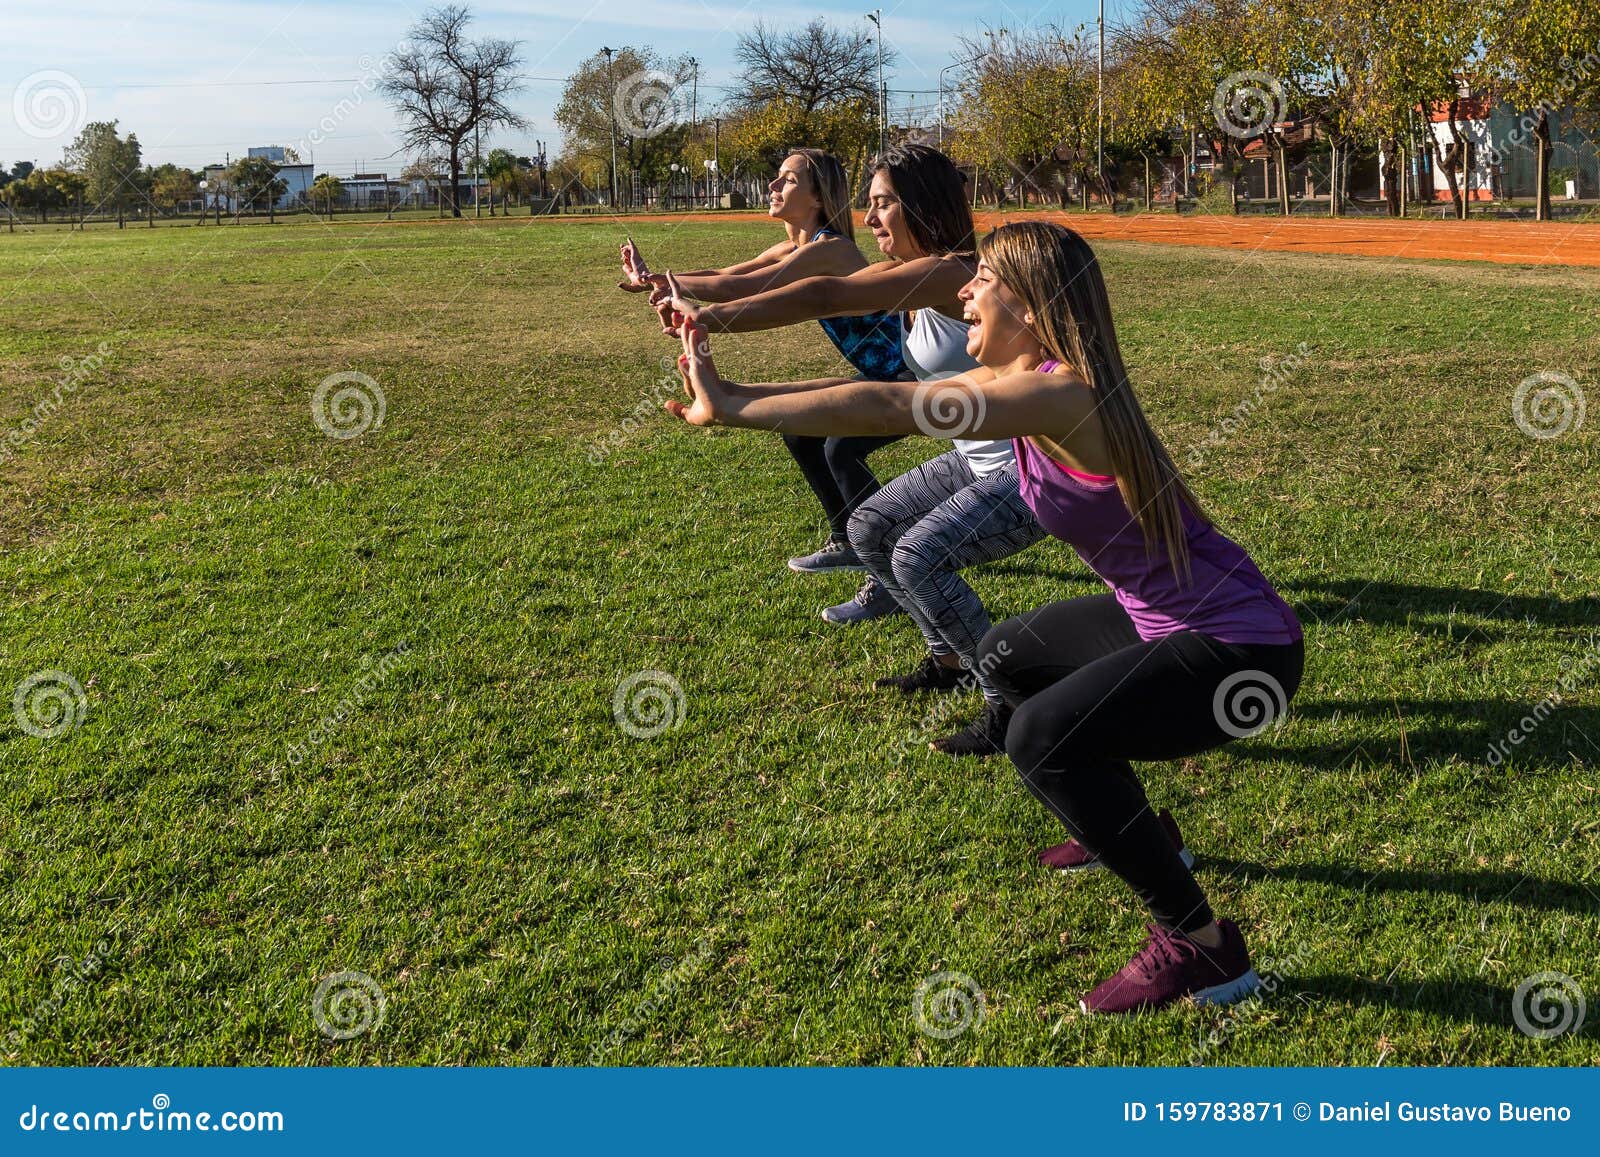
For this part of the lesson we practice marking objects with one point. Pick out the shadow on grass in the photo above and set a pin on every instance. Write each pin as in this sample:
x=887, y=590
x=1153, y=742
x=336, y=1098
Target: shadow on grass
x=1480, y=887
x=1496, y=733
x=1464, y=1000
x=1419, y=607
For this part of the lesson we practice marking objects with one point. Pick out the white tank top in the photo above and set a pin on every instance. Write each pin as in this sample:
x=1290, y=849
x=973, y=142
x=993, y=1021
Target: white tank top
x=935, y=348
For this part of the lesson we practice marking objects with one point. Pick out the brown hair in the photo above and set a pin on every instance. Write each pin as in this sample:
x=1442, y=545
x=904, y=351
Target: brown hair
x=1057, y=276
x=933, y=192
x=832, y=189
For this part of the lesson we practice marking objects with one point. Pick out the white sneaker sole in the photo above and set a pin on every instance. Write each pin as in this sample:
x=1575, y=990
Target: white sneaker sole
x=1230, y=993
x=842, y=569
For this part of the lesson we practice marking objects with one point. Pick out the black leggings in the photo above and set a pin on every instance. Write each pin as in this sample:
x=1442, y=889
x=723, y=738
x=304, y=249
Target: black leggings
x=838, y=473
x=1091, y=695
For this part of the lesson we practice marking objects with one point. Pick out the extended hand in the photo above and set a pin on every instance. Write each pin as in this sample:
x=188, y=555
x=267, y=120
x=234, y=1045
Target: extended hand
x=705, y=386
x=636, y=277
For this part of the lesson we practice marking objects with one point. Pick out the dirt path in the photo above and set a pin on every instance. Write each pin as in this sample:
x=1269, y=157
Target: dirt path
x=1506, y=242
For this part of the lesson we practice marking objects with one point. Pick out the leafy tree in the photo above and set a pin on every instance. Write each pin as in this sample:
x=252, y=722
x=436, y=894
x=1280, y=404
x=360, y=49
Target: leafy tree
x=255, y=179
x=109, y=165
x=1532, y=50
x=326, y=188
x=640, y=95
x=171, y=186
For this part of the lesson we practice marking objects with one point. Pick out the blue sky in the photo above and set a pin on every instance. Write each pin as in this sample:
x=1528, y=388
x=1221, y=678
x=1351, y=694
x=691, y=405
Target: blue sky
x=186, y=75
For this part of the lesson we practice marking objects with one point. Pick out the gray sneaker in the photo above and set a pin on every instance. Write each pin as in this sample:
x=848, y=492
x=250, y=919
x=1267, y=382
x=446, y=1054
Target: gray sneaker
x=872, y=601
x=834, y=555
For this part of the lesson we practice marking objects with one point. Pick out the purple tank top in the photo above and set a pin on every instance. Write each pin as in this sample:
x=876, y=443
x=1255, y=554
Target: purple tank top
x=1227, y=598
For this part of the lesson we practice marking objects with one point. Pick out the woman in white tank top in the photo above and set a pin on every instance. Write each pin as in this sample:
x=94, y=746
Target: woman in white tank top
x=961, y=508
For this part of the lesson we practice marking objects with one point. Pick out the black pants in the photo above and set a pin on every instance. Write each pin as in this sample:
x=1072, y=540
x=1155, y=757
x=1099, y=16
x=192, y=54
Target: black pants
x=838, y=473
x=1091, y=695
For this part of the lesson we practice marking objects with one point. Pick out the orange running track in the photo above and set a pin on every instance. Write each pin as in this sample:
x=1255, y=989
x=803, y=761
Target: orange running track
x=1506, y=242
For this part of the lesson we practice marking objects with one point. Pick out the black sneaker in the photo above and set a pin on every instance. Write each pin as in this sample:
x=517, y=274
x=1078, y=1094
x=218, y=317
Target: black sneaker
x=930, y=675
x=985, y=735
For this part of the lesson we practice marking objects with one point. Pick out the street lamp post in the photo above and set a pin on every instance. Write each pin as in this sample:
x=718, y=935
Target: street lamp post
x=876, y=16
x=942, y=71
x=612, y=82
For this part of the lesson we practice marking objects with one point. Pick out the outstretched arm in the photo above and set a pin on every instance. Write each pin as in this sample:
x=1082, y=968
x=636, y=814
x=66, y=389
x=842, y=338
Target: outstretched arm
x=636, y=278
x=830, y=258
x=971, y=405
x=892, y=286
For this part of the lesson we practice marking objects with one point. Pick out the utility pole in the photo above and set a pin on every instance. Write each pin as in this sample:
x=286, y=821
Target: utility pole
x=612, y=81
x=477, y=173
x=1100, y=103
x=694, y=114
x=876, y=16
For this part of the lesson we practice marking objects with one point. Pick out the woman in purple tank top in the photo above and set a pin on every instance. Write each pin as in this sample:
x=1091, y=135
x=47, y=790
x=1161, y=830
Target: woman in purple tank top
x=1190, y=647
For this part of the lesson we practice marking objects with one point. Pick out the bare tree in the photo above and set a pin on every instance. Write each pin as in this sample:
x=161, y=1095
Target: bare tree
x=445, y=87
x=815, y=66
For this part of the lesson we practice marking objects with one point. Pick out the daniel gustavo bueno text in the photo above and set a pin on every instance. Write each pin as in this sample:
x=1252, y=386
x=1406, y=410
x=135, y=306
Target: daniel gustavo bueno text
x=1182, y=1112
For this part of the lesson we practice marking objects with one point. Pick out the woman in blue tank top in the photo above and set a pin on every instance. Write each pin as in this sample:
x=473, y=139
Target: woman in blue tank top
x=811, y=196
x=1190, y=646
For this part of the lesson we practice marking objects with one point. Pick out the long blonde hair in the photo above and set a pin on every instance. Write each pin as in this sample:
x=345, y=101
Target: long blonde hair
x=832, y=188
x=1057, y=276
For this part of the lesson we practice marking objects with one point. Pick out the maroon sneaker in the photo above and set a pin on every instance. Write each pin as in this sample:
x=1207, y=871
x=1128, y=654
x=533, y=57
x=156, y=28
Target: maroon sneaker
x=1074, y=857
x=1171, y=966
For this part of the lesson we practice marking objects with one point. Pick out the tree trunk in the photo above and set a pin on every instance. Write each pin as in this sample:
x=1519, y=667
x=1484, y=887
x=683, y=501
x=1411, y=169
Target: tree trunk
x=1541, y=133
x=1149, y=193
x=1389, y=166
x=455, y=181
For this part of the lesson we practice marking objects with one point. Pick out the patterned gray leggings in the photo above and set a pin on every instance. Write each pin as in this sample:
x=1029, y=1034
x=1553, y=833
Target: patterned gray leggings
x=918, y=532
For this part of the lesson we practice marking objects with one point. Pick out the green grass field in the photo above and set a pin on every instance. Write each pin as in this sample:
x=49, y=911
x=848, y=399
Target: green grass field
x=348, y=703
